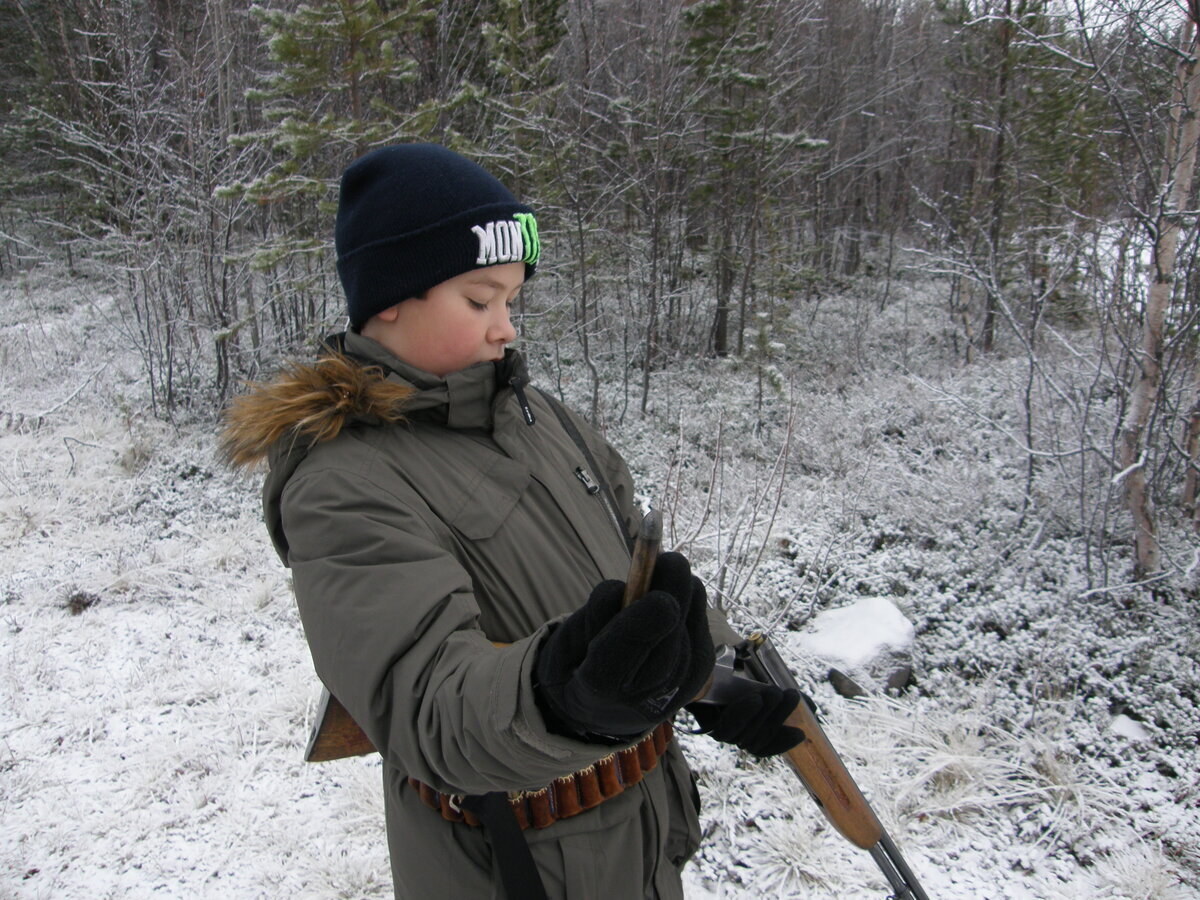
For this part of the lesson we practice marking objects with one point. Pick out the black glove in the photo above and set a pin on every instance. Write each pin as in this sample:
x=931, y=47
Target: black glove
x=609, y=674
x=752, y=719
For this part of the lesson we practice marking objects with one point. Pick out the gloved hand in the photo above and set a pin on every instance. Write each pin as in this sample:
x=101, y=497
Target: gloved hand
x=610, y=675
x=752, y=718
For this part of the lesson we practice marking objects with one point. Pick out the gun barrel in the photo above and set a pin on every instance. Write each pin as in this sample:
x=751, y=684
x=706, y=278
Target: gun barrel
x=826, y=778
x=890, y=861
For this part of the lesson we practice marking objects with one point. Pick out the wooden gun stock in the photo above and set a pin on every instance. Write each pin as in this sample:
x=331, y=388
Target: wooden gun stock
x=819, y=767
x=814, y=759
x=829, y=782
x=335, y=735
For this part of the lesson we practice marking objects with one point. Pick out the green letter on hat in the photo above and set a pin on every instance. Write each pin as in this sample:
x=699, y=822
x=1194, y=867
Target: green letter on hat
x=529, y=236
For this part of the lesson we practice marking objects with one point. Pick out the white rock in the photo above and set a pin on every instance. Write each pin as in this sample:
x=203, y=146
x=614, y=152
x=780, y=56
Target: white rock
x=1128, y=728
x=856, y=634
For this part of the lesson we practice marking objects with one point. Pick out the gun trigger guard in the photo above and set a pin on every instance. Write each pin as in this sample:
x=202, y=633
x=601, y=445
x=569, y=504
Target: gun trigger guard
x=726, y=669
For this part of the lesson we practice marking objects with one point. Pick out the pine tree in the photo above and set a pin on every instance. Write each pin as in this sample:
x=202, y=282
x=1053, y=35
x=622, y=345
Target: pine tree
x=337, y=87
x=744, y=91
x=1027, y=141
x=522, y=90
x=347, y=76
x=517, y=122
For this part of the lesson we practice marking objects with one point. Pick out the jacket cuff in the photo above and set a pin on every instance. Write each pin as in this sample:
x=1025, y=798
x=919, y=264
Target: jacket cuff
x=529, y=726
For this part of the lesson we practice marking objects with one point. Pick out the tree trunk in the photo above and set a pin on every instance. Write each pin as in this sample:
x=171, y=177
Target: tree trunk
x=998, y=182
x=724, y=286
x=1179, y=168
x=1191, y=443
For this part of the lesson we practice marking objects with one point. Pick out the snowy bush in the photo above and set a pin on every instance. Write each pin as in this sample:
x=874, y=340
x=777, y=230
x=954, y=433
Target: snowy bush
x=158, y=687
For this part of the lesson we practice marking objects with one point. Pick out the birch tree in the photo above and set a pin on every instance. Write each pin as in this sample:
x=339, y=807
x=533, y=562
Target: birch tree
x=1191, y=445
x=1178, y=170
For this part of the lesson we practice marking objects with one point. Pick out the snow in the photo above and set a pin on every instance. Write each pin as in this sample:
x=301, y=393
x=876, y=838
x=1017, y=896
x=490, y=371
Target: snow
x=1128, y=728
x=856, y=634
x=156, y=689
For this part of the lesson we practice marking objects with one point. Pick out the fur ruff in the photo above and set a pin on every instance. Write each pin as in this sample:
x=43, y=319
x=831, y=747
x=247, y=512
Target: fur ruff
x=308, y=402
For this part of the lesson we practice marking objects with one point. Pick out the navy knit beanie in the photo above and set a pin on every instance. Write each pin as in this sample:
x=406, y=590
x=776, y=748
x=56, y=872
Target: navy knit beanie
x=411, y=216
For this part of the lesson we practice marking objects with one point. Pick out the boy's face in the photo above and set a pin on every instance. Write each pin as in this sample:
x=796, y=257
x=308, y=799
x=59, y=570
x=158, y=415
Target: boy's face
x=458, y=323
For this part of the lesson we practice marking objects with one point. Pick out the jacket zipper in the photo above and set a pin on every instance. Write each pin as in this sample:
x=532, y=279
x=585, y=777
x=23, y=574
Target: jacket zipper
x=588, y=482
x=593, y=488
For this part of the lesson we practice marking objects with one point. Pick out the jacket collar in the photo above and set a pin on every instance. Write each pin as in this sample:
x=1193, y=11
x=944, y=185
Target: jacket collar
x=461, y=399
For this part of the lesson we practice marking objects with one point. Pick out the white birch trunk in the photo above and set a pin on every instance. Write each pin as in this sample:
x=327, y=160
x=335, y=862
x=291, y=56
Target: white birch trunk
x=1179, y=168
x=1191, y=444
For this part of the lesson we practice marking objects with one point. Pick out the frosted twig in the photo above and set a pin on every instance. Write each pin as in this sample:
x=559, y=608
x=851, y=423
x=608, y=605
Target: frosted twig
x=1120, y=476
x=1129, y=584
x=75, y=393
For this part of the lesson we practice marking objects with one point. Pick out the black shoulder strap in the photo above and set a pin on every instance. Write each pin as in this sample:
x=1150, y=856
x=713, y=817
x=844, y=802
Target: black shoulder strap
x=607, y=496
x=518, y=871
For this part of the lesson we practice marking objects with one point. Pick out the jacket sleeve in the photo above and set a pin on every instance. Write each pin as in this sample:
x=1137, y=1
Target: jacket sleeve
x=391, y=621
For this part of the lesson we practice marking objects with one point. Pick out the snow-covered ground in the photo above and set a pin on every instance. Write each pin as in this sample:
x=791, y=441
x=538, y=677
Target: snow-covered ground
x=155, y=688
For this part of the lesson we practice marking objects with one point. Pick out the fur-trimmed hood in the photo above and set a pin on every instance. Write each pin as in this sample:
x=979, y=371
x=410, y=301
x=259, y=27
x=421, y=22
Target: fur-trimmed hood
x=356, y=383
x=309, y=403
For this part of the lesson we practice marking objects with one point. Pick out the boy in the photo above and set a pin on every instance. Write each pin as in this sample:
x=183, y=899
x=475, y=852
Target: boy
x=456, y=543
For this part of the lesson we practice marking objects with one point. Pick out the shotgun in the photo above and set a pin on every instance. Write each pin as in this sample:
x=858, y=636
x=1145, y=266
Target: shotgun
x=814, y=760
x=336, y=735
x=816, y=763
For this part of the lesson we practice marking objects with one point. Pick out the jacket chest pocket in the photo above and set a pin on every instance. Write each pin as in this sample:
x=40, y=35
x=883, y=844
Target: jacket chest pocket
x=477, y=497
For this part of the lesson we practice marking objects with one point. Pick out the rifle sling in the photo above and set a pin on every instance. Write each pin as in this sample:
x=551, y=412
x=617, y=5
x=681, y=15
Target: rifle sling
x=607, y=499
x=518, y=871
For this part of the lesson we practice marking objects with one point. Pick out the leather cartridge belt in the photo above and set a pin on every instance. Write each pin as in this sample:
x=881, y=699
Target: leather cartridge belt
x=570, y=795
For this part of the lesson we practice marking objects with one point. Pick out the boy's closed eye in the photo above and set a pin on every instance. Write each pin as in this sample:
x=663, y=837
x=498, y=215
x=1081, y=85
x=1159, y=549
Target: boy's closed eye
x=482, y=305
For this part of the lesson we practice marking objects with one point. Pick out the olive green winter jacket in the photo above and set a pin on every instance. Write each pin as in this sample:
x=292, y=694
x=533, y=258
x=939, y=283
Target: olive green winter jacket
x=414, y=545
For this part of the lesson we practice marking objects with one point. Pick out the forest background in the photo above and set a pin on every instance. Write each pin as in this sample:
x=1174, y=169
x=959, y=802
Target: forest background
x=988, y=205
x=708, y=171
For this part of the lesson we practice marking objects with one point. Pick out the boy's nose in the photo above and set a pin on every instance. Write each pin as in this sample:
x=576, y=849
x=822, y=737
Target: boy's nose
x=502, y=330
